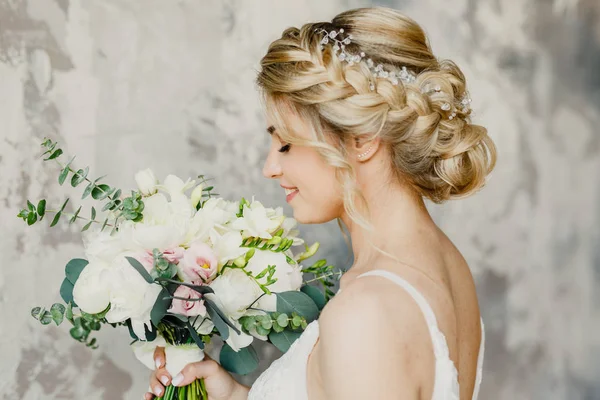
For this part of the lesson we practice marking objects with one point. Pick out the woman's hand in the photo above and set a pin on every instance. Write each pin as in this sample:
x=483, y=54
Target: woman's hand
x=219, y=384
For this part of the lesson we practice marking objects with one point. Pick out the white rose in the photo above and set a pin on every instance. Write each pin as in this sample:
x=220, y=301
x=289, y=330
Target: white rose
x=92, y=289
x=146, y=181
x=289, y=277
x=234, y=292
x=131, y=297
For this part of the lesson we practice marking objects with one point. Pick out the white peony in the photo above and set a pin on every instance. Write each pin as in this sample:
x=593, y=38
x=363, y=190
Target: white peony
x=146, y=181
x=92, y=289
x=131, y=296
x=289, y=277
x=257, y=222
x=210, y=220
x=234, y=292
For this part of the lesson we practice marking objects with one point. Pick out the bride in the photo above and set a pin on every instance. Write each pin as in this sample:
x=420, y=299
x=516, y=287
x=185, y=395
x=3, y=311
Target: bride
x=365, y=123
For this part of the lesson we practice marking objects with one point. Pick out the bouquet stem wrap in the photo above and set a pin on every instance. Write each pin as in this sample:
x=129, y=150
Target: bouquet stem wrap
x=177, y=357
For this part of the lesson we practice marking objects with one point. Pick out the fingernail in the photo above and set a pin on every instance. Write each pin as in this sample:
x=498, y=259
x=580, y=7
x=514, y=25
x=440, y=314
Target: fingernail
x=157, y=362
x=177, y=380
x=158, y=390
x=164, y=380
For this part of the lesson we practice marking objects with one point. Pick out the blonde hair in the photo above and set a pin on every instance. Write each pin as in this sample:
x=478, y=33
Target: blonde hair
x=440, y=158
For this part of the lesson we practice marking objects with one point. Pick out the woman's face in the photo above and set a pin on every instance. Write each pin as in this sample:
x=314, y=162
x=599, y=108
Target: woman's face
x=308, y=180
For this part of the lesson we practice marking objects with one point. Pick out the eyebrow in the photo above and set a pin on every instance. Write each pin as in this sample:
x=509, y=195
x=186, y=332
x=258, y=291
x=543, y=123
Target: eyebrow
x=271, y=129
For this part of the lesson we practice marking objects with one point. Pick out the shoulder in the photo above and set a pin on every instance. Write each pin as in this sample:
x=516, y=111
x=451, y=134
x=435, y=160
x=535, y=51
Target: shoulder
x=374, y=332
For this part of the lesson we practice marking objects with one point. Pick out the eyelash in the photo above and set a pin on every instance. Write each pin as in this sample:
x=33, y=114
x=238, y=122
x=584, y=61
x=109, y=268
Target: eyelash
x=285, y=148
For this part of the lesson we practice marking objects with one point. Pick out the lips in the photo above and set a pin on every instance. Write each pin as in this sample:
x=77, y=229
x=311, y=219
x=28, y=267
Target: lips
x=290, y=193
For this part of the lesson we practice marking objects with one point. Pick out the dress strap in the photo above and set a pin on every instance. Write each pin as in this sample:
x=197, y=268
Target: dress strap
x=440, y=347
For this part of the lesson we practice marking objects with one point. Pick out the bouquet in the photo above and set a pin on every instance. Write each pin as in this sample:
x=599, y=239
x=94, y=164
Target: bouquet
x=177, y=269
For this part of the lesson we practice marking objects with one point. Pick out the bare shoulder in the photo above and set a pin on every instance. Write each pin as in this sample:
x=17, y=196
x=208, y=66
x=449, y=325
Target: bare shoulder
x=374, y=333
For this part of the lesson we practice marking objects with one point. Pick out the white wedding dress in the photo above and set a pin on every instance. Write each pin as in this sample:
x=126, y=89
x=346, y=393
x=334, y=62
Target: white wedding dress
x=285, y=379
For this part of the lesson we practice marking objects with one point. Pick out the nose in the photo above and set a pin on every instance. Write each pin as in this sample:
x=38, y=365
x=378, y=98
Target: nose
x=272, y=168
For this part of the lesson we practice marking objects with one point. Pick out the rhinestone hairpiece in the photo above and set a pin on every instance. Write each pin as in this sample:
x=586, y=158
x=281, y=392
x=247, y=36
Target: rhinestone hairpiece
x=405, y=75
x=339, y=45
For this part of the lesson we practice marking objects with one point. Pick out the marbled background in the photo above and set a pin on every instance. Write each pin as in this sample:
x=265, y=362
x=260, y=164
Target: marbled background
x=127, y=84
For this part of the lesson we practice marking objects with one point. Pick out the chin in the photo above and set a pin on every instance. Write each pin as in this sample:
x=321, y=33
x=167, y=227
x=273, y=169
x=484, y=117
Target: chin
x=312, y=216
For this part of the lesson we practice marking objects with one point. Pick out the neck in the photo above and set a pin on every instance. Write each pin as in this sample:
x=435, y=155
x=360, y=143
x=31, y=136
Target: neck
x=397, y=215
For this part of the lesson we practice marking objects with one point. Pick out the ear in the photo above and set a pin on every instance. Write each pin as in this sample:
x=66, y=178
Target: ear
x=365, y=148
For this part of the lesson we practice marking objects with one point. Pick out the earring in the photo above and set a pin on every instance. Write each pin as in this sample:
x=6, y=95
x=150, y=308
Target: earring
x=364, y=154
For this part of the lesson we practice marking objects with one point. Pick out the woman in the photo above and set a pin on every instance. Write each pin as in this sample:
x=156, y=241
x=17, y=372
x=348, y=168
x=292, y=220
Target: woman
x=365, y=123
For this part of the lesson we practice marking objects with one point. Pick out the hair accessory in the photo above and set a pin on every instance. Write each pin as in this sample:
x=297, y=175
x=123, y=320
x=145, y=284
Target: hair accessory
x=405, y=75
x=339, y=45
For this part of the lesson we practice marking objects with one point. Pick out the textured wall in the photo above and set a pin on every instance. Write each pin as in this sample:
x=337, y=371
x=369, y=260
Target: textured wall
x=127, y=84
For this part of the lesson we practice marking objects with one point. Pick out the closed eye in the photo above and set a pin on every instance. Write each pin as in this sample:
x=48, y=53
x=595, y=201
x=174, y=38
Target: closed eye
x=285, y=148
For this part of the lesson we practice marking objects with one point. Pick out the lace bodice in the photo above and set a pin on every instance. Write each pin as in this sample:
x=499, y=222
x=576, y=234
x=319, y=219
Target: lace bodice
x=286, y=377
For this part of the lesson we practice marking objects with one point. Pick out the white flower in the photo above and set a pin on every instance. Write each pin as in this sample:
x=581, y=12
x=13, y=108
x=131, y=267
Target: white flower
x=156, y=209
x=174, y=185
x=227, y=247
x=210, y=219
x=234, y=292
x=131, y=297
x=102, y=246
x=146, y=181
x=92, y=289
x=238, y=341
x=256, y=221
x=289, y=277
x=197, y=195
x=289, y=232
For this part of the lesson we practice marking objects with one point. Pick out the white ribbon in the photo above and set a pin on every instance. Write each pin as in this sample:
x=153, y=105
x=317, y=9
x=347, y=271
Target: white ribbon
x=177, y=356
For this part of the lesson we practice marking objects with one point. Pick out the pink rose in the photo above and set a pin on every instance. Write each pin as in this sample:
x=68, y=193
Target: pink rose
x=172, y=255
x=199, y=263
x=190, y=307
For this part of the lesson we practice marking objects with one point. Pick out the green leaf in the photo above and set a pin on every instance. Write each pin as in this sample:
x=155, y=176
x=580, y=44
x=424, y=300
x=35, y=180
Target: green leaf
x=64, y=205
x=283, y=340
x=194, y=335
x=35, y=312
x=54, y=155
x=100, y=192
x=299, y=302
x=242, y=362
x=55, y=219
x=93, y=213
x=315, y=294
x=66, y=291
x=30, y=206
x=58, y=313
x=78, y=177
x=161, y=305
x=65, y=172
x=41, y=208
x=140, y=268
x=31, y=218
x=104, y=224
x=74, y=217
x=87, y=226
x=69, y=312
x=219, y=322
x=282, y=320
x=73, y=269
x=87, y=191
x=46, y=318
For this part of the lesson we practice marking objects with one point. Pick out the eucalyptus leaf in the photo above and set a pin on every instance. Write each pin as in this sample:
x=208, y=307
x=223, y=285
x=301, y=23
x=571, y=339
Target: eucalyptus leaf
x=41, y=208
x=100, y=192
x=31, y=218
x=55, y=219
x=283, y=340
x=299, y=302
x=54, y=155
x=74, y=217
x=93, y=213
x=73, y=269
x=241, y=362
x=46, y=318
x=211, y=304
x=35, y=312
x=220, y=324
x=194, y=335
x=161, y=305
x=87, y=226
x=141, y=269
x=66, y=291
x=88, y=190
x=58, y=313
x=77, y=178
x=315, y=294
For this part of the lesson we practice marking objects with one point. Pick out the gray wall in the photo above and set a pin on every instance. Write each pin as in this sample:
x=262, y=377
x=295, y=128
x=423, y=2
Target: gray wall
x=127, y=84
